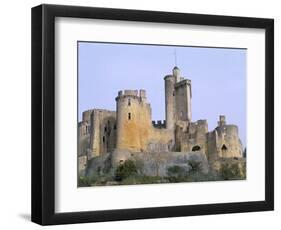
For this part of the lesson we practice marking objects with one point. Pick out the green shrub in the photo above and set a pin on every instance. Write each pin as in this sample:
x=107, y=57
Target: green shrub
x=233, y=171
x=125, y=170
x=149, y=179
x=87, y=181
x=84, y=181
x=176, y=173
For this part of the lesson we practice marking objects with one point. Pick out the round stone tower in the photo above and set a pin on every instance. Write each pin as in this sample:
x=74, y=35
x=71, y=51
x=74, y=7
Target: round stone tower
x=228, y=142
x=170, y=101
x=133, y=120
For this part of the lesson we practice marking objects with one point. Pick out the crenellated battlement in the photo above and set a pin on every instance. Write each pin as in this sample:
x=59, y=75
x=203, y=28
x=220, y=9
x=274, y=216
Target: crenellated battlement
x=159, y=124
x=132, y=93
x=202, y=122
x=183, y=82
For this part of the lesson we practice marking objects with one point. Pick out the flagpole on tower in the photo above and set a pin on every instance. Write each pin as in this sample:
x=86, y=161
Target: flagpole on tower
x=175, y=53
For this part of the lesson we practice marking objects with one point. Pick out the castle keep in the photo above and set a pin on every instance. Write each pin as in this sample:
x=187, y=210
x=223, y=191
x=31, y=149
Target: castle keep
x=130, y=127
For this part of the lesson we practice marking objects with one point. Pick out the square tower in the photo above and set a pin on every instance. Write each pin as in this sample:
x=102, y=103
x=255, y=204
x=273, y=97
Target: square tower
x=177, y=98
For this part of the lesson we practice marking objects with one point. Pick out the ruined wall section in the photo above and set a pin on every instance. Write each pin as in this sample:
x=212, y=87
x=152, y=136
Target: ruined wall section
x=84, y=132
x=224, y=141
x=83, y=137
x=103, y=132
x=194, y=138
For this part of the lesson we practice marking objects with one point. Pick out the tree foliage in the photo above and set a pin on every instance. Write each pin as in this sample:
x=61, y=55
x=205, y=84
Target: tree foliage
x=125, y=170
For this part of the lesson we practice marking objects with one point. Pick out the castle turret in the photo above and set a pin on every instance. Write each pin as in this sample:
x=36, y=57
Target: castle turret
x=133, y=120
x=222, y=121
x=176, y=74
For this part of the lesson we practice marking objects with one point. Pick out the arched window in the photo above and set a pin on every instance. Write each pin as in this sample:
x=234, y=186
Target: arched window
x=196, y=148
x=224, y=148
x=129, y=116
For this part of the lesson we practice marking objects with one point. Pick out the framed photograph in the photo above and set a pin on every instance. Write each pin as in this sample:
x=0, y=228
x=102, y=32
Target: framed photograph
x=142, y=114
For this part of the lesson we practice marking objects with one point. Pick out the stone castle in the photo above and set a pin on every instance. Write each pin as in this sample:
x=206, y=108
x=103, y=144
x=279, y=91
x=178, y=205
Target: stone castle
x=130, y=127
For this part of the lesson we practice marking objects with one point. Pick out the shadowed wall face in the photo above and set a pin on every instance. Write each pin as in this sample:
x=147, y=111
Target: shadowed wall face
x=102, y=132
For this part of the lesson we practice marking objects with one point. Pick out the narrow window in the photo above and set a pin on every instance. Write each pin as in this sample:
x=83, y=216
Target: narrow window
x=105, y=129
x=181, y=114
x=129, y=102
x=129, y=116
x=115, y=126
x=103, y=139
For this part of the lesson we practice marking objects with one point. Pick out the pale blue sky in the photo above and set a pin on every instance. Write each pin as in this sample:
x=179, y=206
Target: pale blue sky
x=218, y=78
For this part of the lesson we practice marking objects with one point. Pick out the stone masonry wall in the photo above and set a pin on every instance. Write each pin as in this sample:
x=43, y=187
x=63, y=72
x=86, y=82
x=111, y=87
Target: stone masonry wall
x=103, y=132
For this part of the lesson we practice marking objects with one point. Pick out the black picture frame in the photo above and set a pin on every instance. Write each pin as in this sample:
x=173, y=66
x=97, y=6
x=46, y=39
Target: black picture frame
x=43, y=114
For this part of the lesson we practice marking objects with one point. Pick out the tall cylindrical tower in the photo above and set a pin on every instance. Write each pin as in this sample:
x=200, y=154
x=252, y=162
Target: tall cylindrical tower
x=170, y=101
x=133, y=120
x=128, y=136
x=95, y=134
